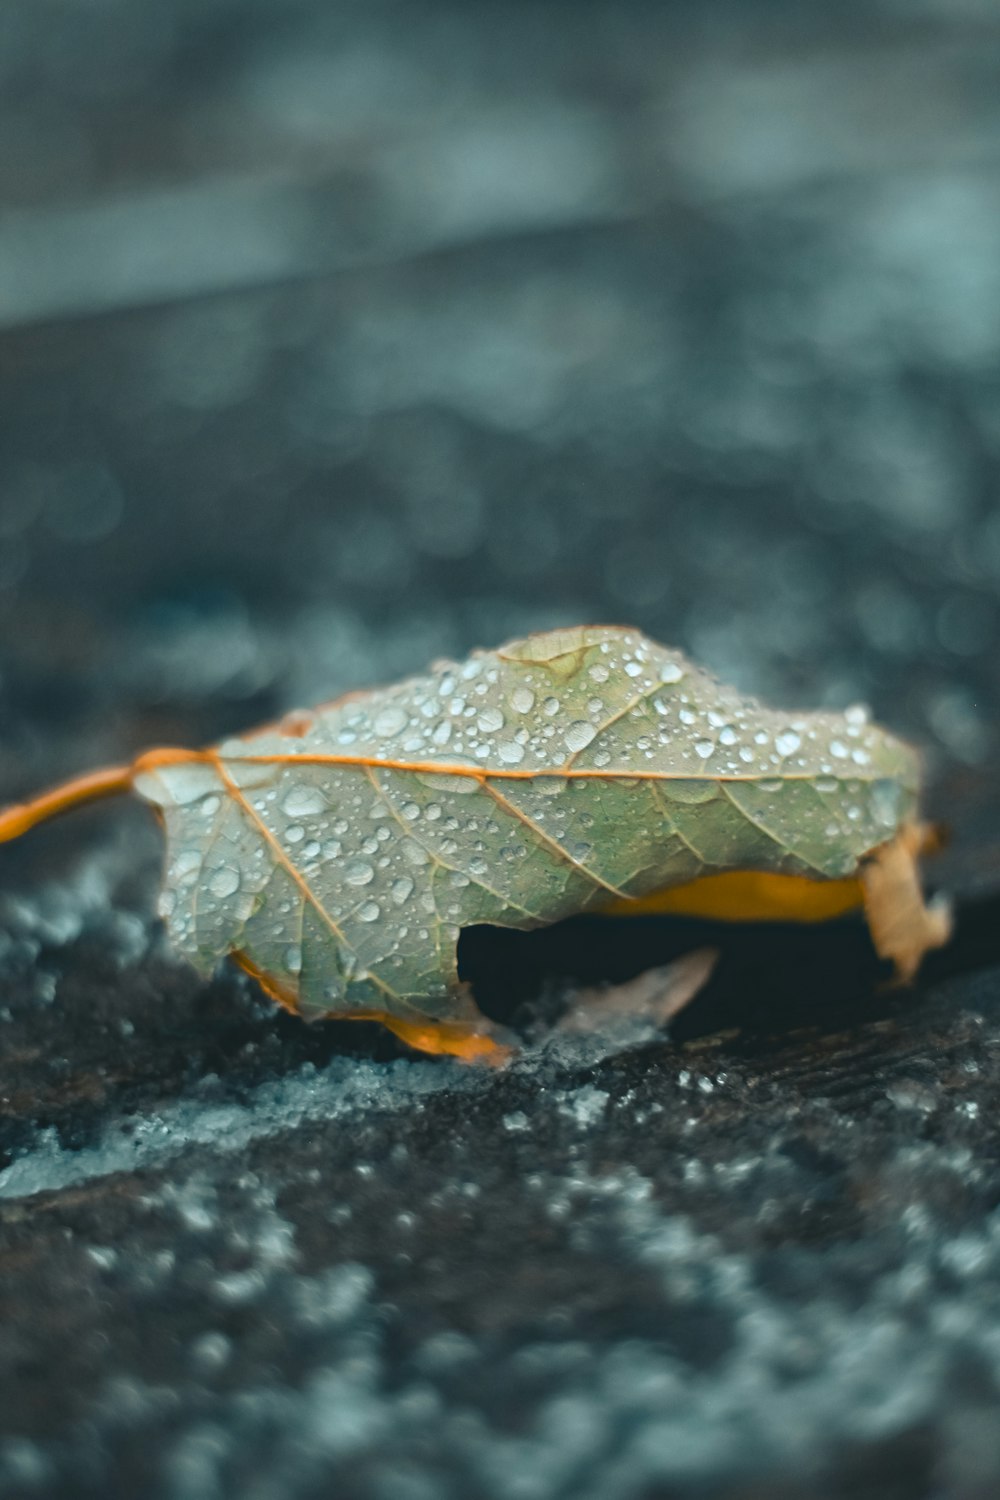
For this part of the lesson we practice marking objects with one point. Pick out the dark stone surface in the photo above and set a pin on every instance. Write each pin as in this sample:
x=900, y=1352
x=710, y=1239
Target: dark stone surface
x=334, y=338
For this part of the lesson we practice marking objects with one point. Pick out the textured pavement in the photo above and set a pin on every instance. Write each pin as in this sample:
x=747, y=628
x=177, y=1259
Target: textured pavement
x=334, y=339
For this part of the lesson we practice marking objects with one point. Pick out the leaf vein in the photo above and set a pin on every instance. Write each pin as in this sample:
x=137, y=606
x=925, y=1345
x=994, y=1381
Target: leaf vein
x=553, y=843
x=436, y=857
x=659, y=798
x=298, y=878
x=614, y=719
x=763, y=828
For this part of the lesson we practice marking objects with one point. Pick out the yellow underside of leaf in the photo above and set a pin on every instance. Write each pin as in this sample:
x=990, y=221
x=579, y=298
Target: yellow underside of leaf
x=440, y=1038
x=749, y=896
x=284, y=995
x=444, y=1037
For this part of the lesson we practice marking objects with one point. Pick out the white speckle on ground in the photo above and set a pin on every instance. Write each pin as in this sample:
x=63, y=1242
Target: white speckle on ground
x=585, y=1105
x=343, y=1088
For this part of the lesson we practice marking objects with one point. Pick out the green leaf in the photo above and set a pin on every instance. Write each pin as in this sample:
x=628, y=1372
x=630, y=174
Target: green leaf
x=554, y=776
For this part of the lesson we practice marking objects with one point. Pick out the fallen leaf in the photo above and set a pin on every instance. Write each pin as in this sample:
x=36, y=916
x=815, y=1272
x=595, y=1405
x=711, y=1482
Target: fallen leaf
x=338, y=854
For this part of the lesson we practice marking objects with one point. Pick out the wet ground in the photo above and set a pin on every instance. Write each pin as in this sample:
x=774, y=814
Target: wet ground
x=334, y=339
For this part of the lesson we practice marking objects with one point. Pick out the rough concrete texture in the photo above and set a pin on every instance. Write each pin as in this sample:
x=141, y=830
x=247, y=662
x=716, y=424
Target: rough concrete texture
x=335, y=338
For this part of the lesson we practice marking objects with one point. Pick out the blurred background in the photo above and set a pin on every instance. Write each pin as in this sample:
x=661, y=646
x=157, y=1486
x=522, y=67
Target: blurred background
x=340, y=335
x=337, y=336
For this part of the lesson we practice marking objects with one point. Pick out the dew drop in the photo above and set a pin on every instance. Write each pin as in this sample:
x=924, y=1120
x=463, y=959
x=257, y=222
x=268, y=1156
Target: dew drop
x=510, y=752
x=303, y=802
x=671, y=671
x=225, y=881
x=293, y=959
x=579, y=735
x=415, y=854
x=490, y=720
x=522, y=699
x=697, y=790
x=886, y=798
x=787, y=742
x=550, y=707
x=599, y=672
x=441, y=782
x=295, y=834
x=390, y=720
x=358, y=872
x=727, y=735
x=402, y=889
x=704, y=748
x=370, y=912
x=838, y=750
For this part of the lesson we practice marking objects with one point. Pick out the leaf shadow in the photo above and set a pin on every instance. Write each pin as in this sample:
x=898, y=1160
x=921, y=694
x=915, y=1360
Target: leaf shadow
x=771, y=978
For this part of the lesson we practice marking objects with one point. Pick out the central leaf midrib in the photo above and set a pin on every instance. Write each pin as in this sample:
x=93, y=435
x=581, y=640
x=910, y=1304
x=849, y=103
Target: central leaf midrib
x=562, y=772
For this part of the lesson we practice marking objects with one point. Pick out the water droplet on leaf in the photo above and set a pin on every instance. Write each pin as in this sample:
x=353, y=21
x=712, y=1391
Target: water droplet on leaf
x=225, y=881
x=579, y=735
x=304, y=802
x=390, y=720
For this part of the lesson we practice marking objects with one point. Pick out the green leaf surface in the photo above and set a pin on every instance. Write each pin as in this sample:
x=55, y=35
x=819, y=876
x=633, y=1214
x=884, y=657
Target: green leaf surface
x=343, y=855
